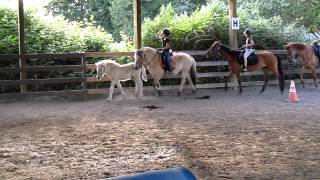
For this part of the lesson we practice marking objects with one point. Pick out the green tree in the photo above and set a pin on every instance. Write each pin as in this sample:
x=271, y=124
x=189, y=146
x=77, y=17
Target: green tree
x=302, y=12
x=92, y=11
x=45, y=34
x=116, y=16
x=210, y=23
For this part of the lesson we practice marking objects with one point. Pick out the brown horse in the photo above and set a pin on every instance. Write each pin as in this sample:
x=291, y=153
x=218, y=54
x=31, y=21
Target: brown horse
x=308, y=57
x=266, y=61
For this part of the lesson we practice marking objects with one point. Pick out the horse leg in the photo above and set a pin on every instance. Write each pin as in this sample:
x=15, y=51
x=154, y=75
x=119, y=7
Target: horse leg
x=266, y=79
x=156, y=85
x=301, y=76
x=314, y=76
x=139, y=88
x=111, y=90
x=192, y=85
x=183, y=81
x=120, y=87
x=226, y=82
x=239, y=82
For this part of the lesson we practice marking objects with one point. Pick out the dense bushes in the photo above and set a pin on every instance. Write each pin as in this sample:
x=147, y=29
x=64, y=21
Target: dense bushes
x=47, y=34
x=211, y=22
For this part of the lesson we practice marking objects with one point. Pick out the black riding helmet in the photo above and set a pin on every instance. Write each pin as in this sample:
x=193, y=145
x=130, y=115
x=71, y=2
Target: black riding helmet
x=166, y=31
x=247, y=32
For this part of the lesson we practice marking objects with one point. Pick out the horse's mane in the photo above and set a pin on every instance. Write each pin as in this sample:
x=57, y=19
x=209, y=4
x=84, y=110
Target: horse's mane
x=229, y=50
x=299, y=46
x=106, y=61
x=148, y=49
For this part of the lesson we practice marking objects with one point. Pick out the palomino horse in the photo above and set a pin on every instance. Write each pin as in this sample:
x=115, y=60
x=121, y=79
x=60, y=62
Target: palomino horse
x=181, y=62
x=266, y=61
x=117, y=72
x=308, y=57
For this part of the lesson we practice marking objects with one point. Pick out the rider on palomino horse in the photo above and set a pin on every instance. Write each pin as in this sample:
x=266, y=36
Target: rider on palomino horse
x=166, y=48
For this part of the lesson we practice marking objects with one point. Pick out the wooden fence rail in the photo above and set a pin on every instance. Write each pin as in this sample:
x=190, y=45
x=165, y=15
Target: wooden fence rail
x=83, y=68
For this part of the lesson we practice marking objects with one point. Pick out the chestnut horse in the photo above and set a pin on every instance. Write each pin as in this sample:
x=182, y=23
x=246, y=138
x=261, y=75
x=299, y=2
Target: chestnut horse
x=308, y=57
x=266, y=61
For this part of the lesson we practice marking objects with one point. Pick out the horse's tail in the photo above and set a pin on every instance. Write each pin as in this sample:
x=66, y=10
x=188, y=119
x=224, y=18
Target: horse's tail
x=193, y=72
x=281, y=76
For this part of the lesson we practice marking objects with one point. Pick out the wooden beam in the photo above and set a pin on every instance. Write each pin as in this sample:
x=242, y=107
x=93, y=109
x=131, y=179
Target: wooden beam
x=137, y=23
x=233, y=41
x=22, y=50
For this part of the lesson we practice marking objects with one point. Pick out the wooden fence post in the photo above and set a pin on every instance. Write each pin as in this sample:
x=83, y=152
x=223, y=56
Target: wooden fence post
x=22, y=50
x=137, y=23
x=233, y=40
x=84, y=72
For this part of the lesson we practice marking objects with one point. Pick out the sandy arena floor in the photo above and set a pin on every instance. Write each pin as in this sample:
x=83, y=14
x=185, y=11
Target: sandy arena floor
x=228, y=136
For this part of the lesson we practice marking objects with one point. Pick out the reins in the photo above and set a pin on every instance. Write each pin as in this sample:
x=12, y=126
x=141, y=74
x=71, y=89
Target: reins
x=152, y=58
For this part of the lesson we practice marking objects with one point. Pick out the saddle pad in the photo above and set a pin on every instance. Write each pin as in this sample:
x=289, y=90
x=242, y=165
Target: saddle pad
x=316, y=50
x=252, y=59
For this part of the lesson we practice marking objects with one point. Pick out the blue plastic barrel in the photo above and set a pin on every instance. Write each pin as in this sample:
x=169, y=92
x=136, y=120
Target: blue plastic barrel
x=179, y=173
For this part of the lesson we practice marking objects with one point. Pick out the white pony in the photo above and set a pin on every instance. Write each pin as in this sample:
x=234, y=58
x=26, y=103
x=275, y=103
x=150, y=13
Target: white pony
x=121, y=72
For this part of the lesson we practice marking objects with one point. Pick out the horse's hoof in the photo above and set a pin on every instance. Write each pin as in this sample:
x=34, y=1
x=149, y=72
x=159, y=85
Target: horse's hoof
x=109, y=99
x=179, y=93
x=194, y=91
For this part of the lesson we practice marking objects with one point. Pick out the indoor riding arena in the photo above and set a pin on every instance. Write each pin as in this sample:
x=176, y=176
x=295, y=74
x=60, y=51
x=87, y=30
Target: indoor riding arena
x=216, y=135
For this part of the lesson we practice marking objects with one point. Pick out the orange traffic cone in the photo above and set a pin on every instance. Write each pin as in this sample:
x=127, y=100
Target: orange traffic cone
x=293, y=96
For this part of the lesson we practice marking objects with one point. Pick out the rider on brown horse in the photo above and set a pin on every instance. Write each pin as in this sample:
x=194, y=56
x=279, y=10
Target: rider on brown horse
x=248, y=47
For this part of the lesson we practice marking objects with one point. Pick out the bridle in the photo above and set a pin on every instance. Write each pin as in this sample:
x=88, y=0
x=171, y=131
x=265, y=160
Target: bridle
x=153, y=57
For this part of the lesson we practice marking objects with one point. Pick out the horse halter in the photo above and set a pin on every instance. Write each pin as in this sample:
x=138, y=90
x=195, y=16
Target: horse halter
x=141, y=54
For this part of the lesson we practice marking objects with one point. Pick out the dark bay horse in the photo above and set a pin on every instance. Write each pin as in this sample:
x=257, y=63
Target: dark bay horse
x=310, y=60
x=265, y=61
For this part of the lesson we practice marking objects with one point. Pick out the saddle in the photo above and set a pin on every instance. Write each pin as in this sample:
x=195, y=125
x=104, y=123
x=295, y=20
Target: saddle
x=251, y=60
x=163, y=60
x=316, y=50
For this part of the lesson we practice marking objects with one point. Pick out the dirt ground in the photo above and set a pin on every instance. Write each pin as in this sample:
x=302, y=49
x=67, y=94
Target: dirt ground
x=227, y=136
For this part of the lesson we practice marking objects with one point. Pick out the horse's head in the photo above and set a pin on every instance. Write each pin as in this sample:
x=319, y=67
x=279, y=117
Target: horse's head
x=100, y=68
x=291, y=54
x=214, y=49
x=139, y=59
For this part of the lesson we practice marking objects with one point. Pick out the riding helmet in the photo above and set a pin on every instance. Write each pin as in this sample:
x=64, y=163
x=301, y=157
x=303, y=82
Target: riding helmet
x=166, y=31
x=247, y=32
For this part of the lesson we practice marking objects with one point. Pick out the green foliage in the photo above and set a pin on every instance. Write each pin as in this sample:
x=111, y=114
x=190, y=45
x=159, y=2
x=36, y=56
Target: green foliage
x=186, y=31
x=210, y=23
x=269, y=33
x=46, y=34
x=9, y=42
x=115, y=16
x=304, y=13
x=93, y=11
